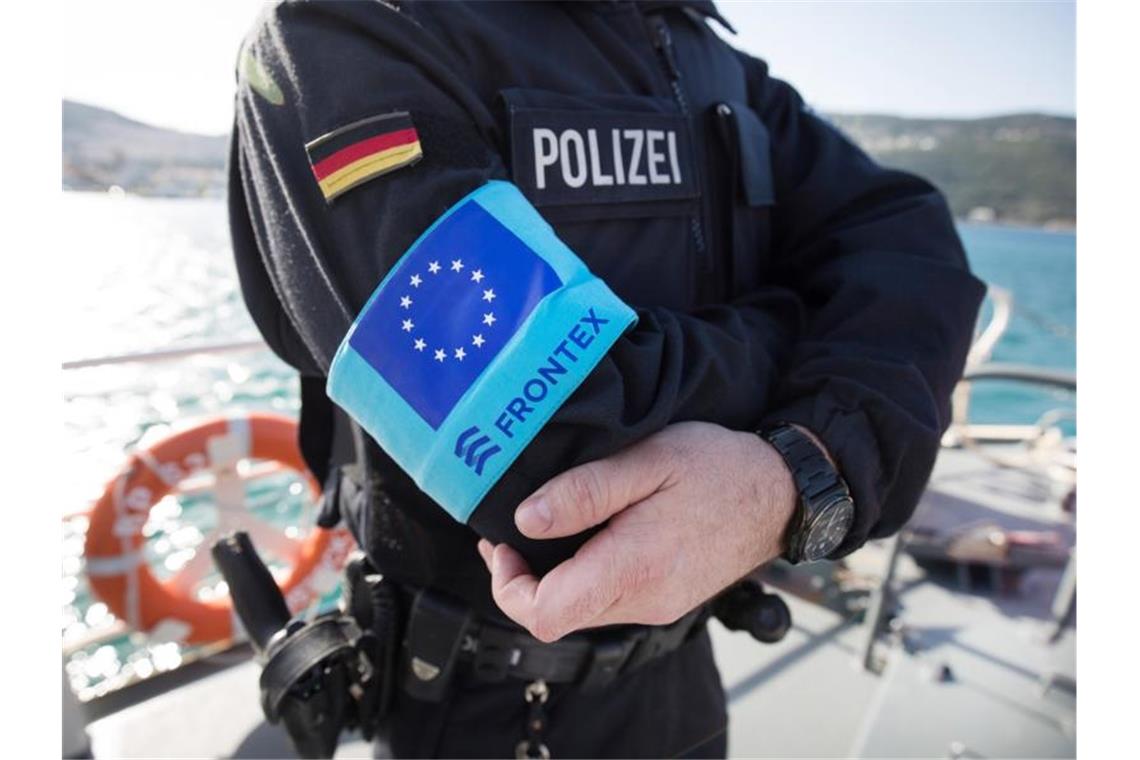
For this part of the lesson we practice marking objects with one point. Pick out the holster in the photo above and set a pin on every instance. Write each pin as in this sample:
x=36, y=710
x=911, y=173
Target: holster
x=335, y=672
x=371, y=600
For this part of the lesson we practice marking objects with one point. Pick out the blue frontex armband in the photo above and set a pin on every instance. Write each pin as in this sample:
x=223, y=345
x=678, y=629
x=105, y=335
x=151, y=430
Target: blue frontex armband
x=480, y=332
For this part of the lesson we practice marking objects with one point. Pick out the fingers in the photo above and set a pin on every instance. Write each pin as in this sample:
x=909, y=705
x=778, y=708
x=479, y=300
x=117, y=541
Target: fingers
x=569, y=597
x=485, y=548
x=513, y=586
x=588, y=495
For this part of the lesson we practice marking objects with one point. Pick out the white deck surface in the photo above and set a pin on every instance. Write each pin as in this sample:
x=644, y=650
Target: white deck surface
x=807, y=696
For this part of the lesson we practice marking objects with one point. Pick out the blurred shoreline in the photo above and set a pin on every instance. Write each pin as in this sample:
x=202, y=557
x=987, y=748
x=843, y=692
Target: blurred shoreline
x=1011, y=171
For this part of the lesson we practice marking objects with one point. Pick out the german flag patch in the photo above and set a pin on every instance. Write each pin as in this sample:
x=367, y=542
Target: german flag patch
x=363, y=150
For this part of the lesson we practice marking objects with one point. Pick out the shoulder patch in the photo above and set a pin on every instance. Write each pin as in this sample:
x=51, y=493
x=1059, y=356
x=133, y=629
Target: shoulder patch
x=363, y=150
x=253, y=72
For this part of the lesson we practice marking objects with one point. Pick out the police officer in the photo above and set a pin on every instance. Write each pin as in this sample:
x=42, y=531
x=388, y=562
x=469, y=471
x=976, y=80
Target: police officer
x=777, y=324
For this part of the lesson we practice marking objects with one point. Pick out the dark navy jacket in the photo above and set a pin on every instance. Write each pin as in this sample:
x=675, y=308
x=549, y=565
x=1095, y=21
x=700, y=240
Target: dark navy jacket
x=778, y=272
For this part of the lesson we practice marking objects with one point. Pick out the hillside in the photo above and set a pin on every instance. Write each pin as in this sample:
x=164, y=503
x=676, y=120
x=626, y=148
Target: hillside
x=1017, y=169
x=102, y=149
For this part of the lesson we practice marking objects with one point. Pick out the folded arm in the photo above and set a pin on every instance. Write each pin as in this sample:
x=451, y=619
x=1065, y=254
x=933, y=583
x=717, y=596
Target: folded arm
x=890, y=306
x=322, y=261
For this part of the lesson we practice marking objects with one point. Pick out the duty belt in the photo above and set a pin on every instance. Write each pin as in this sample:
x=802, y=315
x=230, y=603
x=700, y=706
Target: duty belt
x=443, y=633
x=591, y=662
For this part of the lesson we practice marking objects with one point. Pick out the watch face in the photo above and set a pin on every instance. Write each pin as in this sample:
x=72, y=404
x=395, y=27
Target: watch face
x=828, y=531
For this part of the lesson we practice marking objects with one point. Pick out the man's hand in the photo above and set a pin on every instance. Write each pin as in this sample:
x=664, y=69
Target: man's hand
x=691, y=510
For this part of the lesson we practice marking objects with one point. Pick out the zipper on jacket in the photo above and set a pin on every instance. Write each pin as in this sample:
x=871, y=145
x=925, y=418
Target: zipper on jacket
x=663, y=42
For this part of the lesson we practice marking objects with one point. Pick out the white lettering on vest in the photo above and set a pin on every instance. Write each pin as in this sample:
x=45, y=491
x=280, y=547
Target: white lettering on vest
x=578, y=178
x=673, y=157
x=653, y=157
x=619, y=165
x=544, y=158
x=639, y=157
x=634, y=173
x=596, y=176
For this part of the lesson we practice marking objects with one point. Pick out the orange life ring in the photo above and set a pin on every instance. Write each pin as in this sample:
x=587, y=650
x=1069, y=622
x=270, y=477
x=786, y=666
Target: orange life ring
x=116, y=568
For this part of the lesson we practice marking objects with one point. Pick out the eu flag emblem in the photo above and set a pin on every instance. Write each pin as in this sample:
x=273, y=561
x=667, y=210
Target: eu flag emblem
x=474, y=339
x=453, y=304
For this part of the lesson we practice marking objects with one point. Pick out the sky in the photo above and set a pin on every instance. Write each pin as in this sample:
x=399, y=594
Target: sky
x=171, y=63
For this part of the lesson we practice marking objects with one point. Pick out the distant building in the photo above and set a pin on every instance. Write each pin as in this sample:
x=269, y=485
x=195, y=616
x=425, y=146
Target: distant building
x=982, y=215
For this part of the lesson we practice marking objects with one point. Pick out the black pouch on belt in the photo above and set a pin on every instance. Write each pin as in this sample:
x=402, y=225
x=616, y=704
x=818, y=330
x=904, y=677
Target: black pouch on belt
x=437, y=626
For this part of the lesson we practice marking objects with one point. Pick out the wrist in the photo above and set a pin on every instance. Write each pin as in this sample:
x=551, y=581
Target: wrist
x=772, y=497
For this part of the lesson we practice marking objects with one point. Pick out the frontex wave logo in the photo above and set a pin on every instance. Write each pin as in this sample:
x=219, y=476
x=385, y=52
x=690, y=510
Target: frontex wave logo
x=469, y=450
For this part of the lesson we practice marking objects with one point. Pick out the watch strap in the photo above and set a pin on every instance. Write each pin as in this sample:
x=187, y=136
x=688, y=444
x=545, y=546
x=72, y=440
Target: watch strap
x=813, y=475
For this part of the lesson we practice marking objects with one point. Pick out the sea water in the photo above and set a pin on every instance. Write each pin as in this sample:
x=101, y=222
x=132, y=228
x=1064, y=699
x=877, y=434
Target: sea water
x=148, y=274
x=1039, y=268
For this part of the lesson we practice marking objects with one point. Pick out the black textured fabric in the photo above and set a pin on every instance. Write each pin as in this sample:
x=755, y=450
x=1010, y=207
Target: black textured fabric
x=844, y=305
x=806, y=283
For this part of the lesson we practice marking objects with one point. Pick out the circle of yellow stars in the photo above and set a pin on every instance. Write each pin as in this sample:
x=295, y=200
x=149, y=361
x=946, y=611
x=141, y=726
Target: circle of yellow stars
x=440, y=354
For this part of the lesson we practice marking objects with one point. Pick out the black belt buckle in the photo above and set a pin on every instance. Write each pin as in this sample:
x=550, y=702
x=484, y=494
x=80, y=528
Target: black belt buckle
x=495, y=654
x=608, y=657
x=437, y=625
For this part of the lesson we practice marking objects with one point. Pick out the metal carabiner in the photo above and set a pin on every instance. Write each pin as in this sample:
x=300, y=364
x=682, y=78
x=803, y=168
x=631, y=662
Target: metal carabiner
x=532, y=747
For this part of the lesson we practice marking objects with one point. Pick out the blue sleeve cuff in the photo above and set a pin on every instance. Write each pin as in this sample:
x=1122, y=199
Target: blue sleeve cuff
x=472, y=342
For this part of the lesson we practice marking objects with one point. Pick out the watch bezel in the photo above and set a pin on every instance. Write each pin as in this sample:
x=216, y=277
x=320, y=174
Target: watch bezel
x=830, y=502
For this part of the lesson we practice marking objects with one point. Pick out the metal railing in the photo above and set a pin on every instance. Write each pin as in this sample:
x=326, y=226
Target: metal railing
x=178, y=352
x=988, y=338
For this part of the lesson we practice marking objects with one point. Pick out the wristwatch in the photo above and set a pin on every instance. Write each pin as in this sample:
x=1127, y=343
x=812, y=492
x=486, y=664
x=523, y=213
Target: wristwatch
x=825, y=510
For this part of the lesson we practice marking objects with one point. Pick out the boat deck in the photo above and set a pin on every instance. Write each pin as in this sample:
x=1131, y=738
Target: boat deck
x=966, y=673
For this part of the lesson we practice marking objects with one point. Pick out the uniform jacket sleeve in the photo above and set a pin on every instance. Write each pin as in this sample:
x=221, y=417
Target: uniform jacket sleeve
x=321, y=261
x=890, y=307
